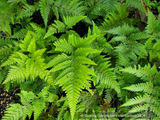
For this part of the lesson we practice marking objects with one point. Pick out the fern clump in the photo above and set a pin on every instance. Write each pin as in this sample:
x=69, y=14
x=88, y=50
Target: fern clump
x=74, y=57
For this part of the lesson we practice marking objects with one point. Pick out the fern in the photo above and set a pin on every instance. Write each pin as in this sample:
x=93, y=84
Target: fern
x=145, y=87
x=137, y=4
x=59, y=26
x=148, y=101
x=153, y=49
x=6, y=16
x=27, y=10
x=146, y=73
x=128, y=38
x=45, y=9
x=114, y=19
x=32, y=65
x=67, y=8
x=106, y=76
x=73, y=67
x=30, y=103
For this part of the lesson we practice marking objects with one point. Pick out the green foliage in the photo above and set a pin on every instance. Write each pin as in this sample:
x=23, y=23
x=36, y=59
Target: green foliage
x=87, y=52
x=29, y=103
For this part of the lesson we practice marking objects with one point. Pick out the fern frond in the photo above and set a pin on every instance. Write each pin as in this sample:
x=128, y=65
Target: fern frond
x=152, y=24
x=62, y=65
x=138, y=36
x=63, y=46
x=11, y=60
x=26, y=42
x=32, y=66
x=141, y=87
x=137, y=100
x=68, y=8
x=81, y=42
x=114, y=19
x=60, y=26
x=16, y=74
x=106, y=74
x=20, y=34
x=139, y=108
x=124, y=30
x=136, y=4
x=6, y=46
x=86, y=51
x=50, y=31
x=58, y=59
x=75, y=74
x=145, y=73
x=108, y=5
x=27, y=10
x=7, y=16
x=45, y=9
x=122, y=60
x=156, y=110
x=30, y=103
x=71, y=21
x=37, y=28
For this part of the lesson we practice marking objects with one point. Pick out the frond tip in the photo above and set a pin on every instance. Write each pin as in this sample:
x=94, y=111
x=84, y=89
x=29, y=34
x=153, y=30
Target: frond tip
x=145, y=73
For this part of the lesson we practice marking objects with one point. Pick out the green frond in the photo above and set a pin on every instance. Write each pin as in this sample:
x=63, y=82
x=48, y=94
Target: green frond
x=152, y=23
x=75, y=74
x=152, y=49
x=85, y=51
x=146, y=73
x=13, y=112
x=137, y=100
x=71, y=21
x=100, y=42
x=139, y=108
x=28, y=65
x=25, y=42
x=128, y=38
x=105, y=73
x=136, y=4
x=27, y=10
x=73, y=81
x=32, y=46
x=124, y=30
x=114, y=19
x=50, y=32
x=138, y=36
x=30, y=103
x=6, y=47
x=58, y=59
x=156, y=110
x=20, y=34
x=16, y=74
x=10, y=60
x=141, y=87
x=37, y=28
x=108, y=5
x=122, y=60
x=7, y=16
x=84, y=60
x=45, y=9
x=68, y=8
x=63, y=46
x=62, y=65
x=60, y=26
x=14, y=1
x=81, y=42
